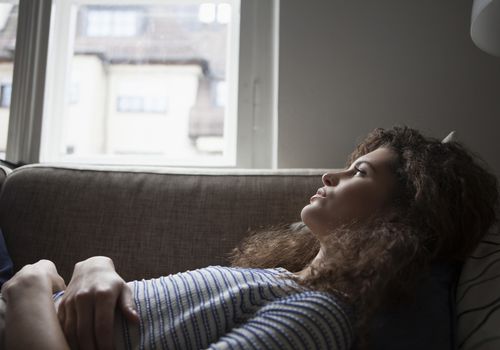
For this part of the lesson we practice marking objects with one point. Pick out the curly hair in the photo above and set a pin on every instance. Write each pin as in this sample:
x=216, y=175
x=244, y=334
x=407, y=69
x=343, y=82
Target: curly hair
x=445, y=200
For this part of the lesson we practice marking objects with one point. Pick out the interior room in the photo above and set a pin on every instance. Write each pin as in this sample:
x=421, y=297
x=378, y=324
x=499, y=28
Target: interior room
x=249, y=174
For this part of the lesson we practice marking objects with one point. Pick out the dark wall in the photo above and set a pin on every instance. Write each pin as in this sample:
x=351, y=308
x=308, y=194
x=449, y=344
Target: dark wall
x=347, y=67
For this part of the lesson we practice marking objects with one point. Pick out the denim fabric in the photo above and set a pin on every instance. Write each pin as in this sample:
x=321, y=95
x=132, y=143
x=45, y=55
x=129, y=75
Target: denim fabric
x=5, y=262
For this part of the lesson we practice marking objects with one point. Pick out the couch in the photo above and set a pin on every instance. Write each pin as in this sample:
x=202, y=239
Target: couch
x=156, y=221
x=150, y=221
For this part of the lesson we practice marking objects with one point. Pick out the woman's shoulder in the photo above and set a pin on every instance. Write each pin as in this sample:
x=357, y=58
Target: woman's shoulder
x=239, y=271
x=272, y=270
x=232, y=269
x=228, y=274
x=318, y=300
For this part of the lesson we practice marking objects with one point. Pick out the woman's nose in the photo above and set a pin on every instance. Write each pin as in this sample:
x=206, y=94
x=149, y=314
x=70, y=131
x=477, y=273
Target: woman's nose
x=330, y=179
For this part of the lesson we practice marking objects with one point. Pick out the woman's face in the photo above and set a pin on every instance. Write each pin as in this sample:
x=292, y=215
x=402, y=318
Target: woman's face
x=351, y=194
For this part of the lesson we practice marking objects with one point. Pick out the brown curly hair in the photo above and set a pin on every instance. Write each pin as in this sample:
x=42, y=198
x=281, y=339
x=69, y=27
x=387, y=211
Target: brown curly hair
x=445, y=200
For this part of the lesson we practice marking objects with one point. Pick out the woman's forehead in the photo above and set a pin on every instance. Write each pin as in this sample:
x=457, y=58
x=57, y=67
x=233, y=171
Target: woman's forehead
x=381, y=156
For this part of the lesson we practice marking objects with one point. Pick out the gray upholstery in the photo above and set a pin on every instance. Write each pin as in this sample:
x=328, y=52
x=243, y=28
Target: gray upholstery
x=150, y=223
x=4, y=171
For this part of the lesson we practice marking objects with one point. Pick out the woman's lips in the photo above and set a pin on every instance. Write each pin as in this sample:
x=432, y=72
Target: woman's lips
x=315, y=196
x=320, y=193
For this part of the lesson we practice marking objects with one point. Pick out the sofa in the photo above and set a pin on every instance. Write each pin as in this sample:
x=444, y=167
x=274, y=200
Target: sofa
x=155, y=221
x=150, y=221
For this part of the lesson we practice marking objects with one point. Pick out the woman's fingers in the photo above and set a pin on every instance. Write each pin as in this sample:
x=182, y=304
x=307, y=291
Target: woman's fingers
x=85, y=321
x=61, y=314
x=94, y=286
x=42, y=274
x=104, y=320
x=58, y=284
x=69, y=326
x=87, y=318
x=127, y=304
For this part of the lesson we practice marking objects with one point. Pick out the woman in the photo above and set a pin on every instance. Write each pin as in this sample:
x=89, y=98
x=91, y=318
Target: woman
x=368, y=235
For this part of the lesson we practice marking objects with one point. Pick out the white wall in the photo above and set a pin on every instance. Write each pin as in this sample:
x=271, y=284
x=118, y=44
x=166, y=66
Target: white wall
x=347, y=67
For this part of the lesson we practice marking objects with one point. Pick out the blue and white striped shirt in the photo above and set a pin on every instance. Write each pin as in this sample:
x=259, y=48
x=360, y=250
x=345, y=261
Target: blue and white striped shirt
x=234, y=308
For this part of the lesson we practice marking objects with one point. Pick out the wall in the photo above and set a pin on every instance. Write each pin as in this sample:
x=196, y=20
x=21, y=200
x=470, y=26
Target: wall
x=347, y=67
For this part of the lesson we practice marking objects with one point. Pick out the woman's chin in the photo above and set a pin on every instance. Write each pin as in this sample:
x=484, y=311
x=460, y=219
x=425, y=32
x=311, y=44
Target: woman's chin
x=312, y=209
x=303, y=213
x=309, y=217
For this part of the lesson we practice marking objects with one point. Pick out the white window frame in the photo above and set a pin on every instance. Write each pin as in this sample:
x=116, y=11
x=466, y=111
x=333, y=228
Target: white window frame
x=28, y=82
x=256, y=124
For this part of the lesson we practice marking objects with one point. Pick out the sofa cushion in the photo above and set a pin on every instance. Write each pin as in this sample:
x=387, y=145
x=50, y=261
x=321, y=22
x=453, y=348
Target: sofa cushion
x=429, y=322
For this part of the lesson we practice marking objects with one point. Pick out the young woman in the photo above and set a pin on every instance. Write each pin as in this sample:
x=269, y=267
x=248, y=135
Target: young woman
x=367, y=236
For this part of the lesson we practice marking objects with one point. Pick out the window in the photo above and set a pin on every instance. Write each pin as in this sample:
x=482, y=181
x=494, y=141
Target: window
x=210, y=12
x=8, y=30
x=109, y=21
x=206, y=13
x=154, y=104
x=139, y=70
x=129, y=104
x=158, y=82
x=141, y=104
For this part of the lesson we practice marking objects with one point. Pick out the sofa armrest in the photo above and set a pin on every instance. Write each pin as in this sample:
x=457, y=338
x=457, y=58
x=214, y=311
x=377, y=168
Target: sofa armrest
x=4, y=171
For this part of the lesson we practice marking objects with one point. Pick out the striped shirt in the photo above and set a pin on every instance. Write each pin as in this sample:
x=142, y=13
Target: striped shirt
x=234, y=308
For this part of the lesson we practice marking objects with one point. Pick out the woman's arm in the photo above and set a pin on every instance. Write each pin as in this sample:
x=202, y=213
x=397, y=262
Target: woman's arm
x=31, y=321
x=308, y=320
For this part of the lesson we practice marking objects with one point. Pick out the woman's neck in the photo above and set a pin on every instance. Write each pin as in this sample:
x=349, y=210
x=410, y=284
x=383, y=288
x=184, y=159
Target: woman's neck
x=306, y=272
x=340, y=291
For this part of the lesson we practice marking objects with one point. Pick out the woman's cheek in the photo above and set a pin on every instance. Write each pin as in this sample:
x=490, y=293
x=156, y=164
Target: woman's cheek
x=339, y=211
x=349, y=204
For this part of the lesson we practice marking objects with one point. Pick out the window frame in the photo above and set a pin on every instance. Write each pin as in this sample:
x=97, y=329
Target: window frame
x=256, y=109
x=28, y=82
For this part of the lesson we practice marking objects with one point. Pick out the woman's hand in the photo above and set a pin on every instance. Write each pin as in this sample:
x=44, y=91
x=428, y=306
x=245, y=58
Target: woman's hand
x=33, y=279
x=30, y=318
x=87, y=308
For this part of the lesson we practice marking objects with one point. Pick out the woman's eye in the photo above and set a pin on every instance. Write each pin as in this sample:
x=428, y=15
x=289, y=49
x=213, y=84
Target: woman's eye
x=359, y=171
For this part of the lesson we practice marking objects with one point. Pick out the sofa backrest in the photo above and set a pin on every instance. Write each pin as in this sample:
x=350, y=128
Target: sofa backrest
x=151, y=222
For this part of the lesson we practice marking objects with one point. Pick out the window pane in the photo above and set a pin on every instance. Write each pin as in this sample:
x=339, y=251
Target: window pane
x=8, y=29
x=142, y=82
